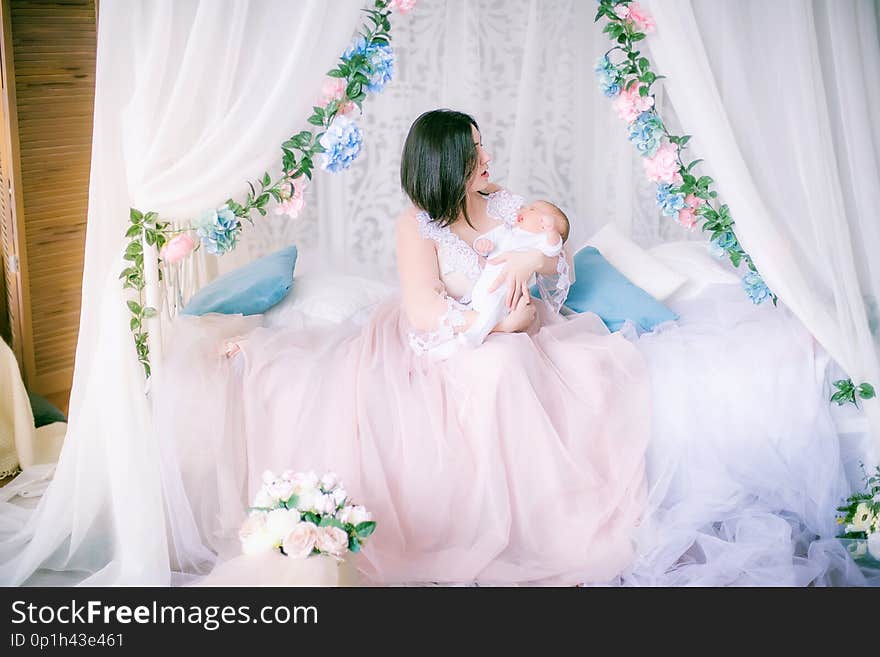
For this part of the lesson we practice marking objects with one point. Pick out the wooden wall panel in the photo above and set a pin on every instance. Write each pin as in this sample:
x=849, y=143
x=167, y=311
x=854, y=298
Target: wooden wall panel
x=54, y=45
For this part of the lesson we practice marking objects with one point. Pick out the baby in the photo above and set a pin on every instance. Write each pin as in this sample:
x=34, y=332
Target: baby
x=540, y=225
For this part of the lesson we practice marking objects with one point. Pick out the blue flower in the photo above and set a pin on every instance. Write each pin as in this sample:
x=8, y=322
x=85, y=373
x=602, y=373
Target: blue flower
x=218, y=229
x=341, y=143
x=608, y=76
x=379, y=58
x=755, y=287
x=725, y=241
x=645, y=133
x=670, y=204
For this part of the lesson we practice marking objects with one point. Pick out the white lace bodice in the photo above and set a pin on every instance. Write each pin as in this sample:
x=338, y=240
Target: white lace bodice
x=460, y=267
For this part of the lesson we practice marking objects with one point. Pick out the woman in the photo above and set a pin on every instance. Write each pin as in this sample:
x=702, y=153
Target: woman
x=520, y=461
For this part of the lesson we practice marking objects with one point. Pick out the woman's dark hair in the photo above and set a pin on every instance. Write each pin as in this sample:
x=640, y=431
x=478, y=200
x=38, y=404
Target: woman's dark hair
x=439, y=157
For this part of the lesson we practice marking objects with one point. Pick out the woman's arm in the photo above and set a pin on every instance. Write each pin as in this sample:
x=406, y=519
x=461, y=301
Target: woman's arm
x=425, y=302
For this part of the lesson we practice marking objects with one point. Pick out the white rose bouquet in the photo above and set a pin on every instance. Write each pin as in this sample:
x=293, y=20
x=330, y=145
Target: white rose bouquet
x=301, y=514
x=860, y=518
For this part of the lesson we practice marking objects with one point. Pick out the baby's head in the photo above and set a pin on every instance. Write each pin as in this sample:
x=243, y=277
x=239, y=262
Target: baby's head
x=533, y=217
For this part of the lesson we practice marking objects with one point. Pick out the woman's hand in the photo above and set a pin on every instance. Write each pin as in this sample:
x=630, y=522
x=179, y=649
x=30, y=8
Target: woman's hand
x=518, y=269
x=521, y=317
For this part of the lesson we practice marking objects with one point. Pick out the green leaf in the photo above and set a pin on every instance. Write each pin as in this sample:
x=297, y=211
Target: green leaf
x=353, y=89
x=150, y=218
x=643, y=91
x=644, y=64
x=638, y=36
x=149, y=312
x=866, y=391
x=135, y=215
x=364, y=529
x=693, y=164
x=336, y=73
x=704, y=181
x=354, y=545
x=133, y=231
x=330, y=521
x=135, y=323
x=265, y=181
x=134, y=306
x=314, y=119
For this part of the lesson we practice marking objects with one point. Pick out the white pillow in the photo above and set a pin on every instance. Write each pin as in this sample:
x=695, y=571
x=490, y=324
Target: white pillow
x=692, y=259
x=637, y=264
x=330, y=298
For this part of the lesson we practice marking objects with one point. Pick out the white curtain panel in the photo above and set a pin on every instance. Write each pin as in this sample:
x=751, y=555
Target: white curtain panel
x=524, y=70
x=781, y=98
x=191, y=98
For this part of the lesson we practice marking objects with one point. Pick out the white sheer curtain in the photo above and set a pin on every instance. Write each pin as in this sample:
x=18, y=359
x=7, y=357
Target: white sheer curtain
x=524, y=70
x=782, y=101
x=191, y=98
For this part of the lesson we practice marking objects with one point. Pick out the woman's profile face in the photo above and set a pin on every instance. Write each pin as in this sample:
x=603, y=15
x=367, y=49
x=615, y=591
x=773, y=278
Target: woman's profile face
x=479, y=179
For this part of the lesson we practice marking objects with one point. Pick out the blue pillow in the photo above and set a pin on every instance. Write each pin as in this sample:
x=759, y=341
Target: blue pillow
x=602, y=289
x=248, y=290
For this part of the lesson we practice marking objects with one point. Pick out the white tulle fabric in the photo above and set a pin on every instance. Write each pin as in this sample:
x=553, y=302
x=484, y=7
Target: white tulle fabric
x=782, y=107
x=191, y=98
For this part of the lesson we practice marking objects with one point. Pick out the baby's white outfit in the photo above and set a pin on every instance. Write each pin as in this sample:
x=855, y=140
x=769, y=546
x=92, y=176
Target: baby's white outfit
x=492, y=306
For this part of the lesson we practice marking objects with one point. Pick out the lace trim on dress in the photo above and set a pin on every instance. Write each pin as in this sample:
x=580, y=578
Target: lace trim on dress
x=423, y=343
x=554, y=289
x=457, y=256
x=504, y=205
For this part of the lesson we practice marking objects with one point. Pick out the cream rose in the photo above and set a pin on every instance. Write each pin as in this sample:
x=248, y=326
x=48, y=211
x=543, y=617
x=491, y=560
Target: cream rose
x=332, y=540
x=862, y=520
x=255, y=536
x=300, y=542
x=280, y=522
x=355, y=515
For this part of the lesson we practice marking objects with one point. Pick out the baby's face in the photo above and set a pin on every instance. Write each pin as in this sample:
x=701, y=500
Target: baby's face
x=537, y=216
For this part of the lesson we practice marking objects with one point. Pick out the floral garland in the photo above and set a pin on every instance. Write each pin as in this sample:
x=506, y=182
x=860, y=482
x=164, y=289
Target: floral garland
x=364, y=68
x=680, y=193
x=860, y=518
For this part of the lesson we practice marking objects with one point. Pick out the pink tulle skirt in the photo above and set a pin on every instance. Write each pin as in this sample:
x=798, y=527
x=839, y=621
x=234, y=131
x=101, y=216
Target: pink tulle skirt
x=521, y=461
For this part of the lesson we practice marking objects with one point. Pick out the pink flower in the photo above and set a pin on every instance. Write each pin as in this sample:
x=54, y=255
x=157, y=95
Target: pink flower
x=629, y=104
x=402, y=6
x=643, y=20
x=177, y=248
x=291, y=207
x=693, y=201
x=663, y=167
x=687, y=218
x=334, y=89
x=622, y=11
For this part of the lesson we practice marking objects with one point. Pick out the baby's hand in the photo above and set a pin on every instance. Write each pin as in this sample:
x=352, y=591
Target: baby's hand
x=483, y=246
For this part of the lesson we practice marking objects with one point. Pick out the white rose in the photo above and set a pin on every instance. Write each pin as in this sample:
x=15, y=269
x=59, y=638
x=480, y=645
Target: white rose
x=339, y=496
x=306, y=499
x=862, y=520
x=300, y=542
x=355, y=515
x=329, y=481
x=325, y=504
x=254, y=535
x=332, y=540
x=281, y=489
x=264, y=499
x=280, y=522
x=874, y=544
x=304, y=481
x=288, y=475
x=268, y=477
